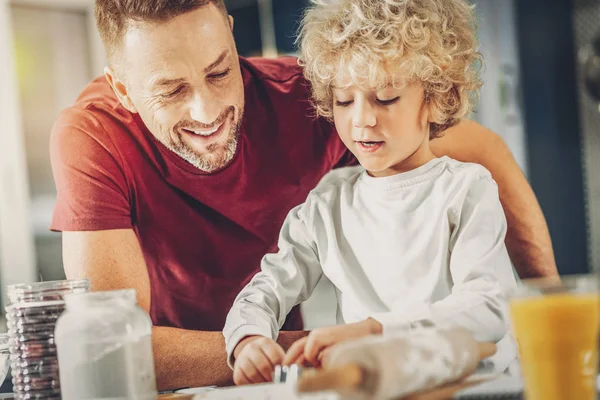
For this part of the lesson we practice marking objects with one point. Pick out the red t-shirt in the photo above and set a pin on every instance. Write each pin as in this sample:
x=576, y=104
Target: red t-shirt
x=202, y=235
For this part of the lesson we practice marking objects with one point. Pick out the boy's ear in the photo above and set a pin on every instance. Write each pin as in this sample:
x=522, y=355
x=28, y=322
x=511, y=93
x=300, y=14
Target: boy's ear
x=426, y=110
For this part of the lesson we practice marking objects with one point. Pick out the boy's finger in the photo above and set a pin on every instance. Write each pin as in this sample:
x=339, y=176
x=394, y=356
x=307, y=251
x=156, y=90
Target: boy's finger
x=274, y=354
x=325, y=356
x=312, y=350
x=301, y=361
x=239, y=378
x=295, y=351
x=247, y=371
x=262, y=365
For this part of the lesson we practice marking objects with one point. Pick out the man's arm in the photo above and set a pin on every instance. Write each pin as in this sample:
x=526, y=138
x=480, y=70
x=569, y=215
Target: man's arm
x=528, y=240
x=113, y=259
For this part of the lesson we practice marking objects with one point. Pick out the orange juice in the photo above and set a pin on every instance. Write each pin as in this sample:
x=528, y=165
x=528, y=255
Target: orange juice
x=558, y=344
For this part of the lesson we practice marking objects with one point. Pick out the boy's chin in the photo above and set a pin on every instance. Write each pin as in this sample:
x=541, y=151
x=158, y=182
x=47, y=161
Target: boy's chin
x=375, y=169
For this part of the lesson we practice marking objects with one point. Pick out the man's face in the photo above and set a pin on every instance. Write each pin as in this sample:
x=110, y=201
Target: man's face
x=183, y=78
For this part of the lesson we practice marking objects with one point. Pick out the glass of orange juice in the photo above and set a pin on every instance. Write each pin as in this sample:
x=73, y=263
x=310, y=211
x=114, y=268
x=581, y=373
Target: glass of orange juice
x=556, y=323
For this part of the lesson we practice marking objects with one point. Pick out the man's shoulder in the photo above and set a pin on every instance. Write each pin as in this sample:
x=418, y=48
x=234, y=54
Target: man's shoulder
x=277, y=76
x=282, y=69
x=278, y=88
x=95, y=113
x=98, y=91
x=95, y=126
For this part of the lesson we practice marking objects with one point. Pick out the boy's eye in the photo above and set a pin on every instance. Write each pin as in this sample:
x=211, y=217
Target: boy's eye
x=343, y=103
x=388, y=102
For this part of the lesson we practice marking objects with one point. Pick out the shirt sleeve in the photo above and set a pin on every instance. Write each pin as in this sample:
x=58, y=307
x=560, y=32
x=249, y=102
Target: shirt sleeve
x=90, y=182
x=480, y=269
x=286, y=279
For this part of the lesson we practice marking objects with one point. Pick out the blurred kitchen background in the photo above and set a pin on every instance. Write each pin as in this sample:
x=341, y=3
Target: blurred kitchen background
x=533, y=97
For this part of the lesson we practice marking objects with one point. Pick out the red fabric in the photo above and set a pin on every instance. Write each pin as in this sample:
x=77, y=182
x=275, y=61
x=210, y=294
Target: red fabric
x=202, y=235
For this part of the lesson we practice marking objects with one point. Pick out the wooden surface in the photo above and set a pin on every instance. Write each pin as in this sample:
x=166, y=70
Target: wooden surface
x=446, y=391
x=266, y=391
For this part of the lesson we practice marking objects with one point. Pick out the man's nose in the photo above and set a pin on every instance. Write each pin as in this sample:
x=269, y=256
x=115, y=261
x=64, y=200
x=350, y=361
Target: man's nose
x=204, y=109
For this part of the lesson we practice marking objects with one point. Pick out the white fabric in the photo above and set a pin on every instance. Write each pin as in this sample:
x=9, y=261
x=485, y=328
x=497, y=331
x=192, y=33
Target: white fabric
x=424, y=247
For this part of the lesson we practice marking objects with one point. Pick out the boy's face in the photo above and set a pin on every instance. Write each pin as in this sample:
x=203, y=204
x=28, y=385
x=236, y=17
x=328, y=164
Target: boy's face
x=387, y=130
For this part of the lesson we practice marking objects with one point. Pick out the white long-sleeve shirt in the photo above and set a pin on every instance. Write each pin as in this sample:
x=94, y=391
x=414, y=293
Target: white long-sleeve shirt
x=417, y=248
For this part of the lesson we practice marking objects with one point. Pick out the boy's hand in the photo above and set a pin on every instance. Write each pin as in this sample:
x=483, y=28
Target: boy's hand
x=313, y=347
x=255, y=360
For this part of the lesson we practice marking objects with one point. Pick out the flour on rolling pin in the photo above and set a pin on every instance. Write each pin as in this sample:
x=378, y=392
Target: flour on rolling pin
x=384, y=367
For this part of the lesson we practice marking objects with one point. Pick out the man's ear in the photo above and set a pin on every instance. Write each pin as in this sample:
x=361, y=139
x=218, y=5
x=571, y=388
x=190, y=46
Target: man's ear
x=231, y=22
x=120, y=90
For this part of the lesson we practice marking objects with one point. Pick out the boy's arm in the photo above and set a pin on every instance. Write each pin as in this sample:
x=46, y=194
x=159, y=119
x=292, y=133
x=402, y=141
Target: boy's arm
x=480, y=271
x=528, y=239
x=286, y=279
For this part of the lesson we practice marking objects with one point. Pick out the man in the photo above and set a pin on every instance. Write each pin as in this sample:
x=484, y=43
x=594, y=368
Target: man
x=174, y=174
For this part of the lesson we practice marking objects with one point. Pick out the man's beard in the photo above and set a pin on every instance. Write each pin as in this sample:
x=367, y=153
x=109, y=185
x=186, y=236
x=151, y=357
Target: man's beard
x=216, y=156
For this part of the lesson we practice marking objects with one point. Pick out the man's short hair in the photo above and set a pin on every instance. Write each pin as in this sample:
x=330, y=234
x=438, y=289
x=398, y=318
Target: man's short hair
x=114, y=16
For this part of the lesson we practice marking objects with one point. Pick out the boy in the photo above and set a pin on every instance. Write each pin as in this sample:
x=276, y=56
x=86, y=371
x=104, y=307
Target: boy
x=409, y=239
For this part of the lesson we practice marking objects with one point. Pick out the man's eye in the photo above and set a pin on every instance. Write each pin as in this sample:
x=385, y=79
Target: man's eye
x=220, y=75
x=174, y=93
x=343, y=103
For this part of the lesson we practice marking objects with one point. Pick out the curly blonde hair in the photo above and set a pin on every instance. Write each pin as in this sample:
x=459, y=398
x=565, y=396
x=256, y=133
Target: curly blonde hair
x=372, y=41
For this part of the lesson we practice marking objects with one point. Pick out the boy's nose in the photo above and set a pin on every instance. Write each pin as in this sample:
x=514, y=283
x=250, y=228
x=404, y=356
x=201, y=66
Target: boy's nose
x=364, y=115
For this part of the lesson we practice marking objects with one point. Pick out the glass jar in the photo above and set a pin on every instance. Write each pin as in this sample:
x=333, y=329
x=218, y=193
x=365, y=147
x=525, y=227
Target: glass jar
x=104, y=343
x=31, y=315
x=4, y=357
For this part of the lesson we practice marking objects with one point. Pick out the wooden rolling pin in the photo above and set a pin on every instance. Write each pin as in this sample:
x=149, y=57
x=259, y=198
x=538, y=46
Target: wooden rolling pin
x=175, y=396
x=394, y=367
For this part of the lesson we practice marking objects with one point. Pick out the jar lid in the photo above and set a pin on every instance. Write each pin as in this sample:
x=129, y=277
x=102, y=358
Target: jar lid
x=121, y=297
x=45, y=291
